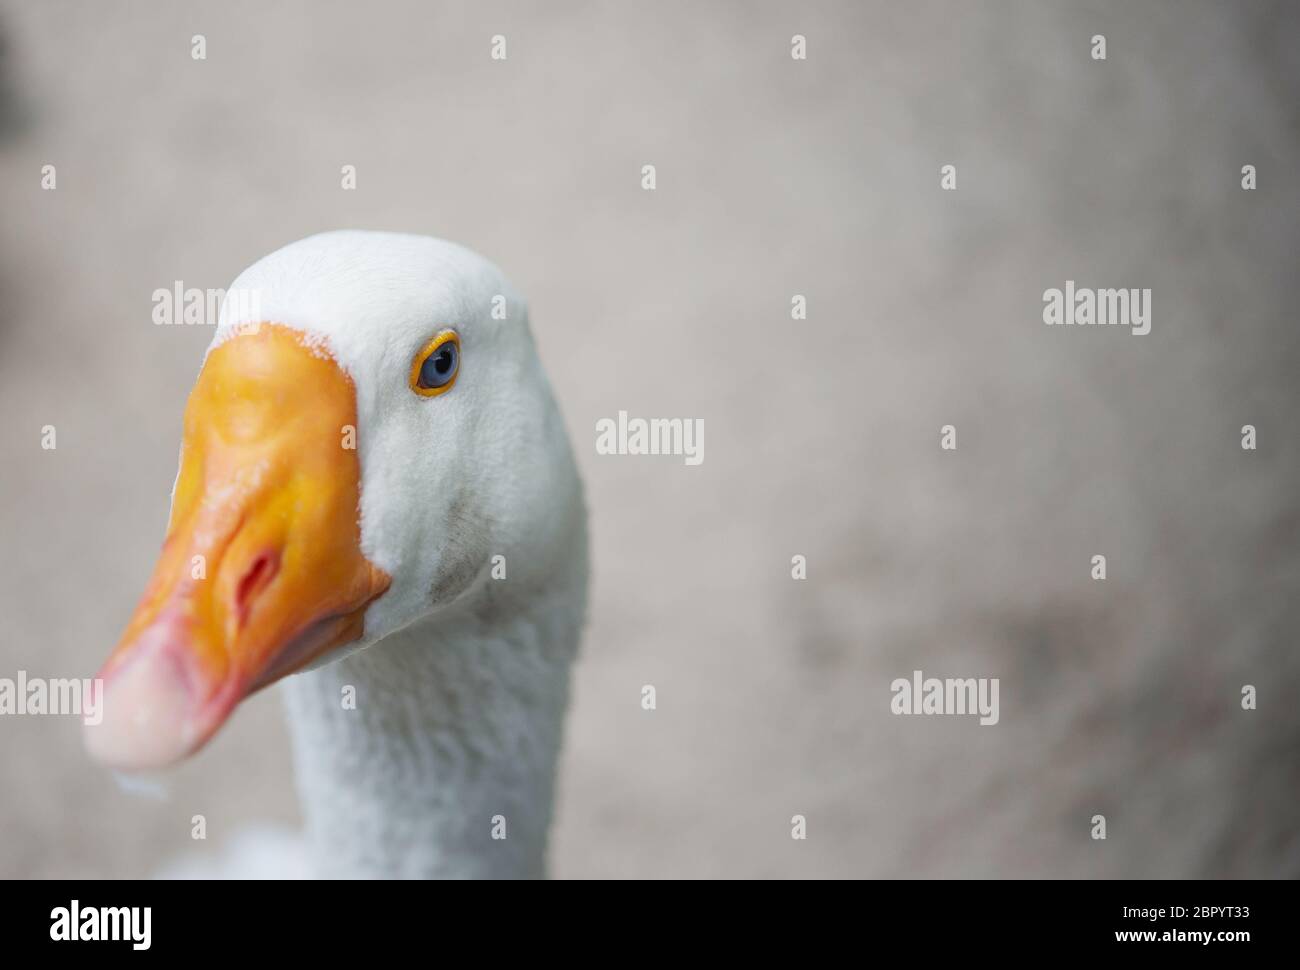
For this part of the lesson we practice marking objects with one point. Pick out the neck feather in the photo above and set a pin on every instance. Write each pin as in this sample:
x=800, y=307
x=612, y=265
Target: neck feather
x=452, y=745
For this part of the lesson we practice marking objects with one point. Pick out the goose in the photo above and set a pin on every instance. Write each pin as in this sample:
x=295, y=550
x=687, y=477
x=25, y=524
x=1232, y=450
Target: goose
x=377, y=505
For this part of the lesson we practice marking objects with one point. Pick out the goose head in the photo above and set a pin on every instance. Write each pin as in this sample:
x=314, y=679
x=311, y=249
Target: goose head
x=371, y=441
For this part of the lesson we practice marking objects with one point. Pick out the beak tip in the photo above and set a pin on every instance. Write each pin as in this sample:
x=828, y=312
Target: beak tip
x=147, y=717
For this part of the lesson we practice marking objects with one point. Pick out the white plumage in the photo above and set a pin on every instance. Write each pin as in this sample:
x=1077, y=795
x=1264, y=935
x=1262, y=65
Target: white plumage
x=461, y=679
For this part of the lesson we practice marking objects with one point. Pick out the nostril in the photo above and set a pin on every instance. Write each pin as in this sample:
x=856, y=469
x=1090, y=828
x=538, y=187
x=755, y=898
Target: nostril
x=259, y=574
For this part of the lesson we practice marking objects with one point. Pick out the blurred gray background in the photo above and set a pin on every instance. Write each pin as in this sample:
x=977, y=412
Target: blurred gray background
x=775, y=177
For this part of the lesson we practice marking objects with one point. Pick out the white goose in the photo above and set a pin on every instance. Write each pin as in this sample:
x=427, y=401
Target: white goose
x=367, y=435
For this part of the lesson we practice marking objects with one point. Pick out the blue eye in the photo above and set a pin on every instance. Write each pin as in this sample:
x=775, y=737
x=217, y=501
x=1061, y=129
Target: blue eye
x=436, y=366
x=439, y=367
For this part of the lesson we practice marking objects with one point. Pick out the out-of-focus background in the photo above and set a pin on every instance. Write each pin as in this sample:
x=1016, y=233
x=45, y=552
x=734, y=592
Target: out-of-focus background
x=775, y=177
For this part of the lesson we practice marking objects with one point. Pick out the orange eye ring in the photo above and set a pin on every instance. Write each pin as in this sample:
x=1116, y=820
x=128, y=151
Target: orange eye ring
x=442, y=354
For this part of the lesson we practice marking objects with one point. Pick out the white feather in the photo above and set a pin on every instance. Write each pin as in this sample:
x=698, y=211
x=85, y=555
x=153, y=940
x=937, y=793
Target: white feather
x=462, y=681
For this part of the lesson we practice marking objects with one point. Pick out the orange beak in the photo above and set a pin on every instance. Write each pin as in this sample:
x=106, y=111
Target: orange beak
x=261, y=571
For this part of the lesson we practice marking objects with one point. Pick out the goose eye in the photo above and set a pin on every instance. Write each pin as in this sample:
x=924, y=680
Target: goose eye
x=435, y=367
